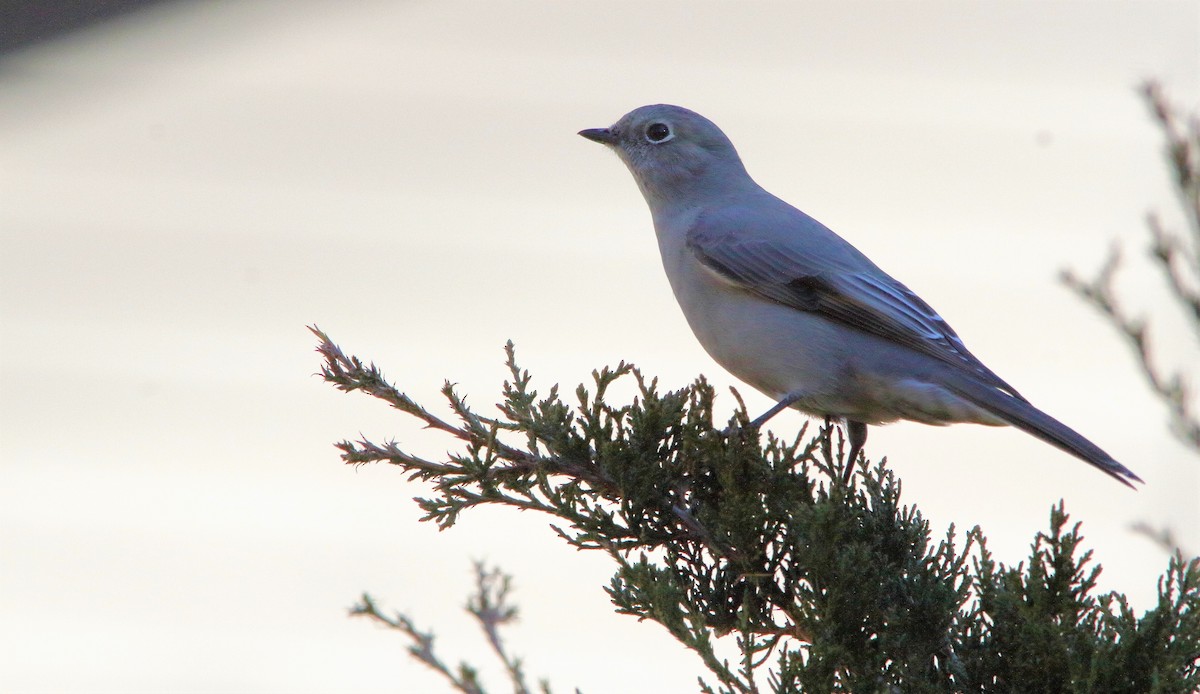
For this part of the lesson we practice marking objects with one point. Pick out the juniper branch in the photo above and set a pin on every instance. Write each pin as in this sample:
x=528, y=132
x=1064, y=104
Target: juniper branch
x=839, y=585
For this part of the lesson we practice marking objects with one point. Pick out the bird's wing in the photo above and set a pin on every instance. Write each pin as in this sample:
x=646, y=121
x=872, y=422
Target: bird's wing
x=844, y=287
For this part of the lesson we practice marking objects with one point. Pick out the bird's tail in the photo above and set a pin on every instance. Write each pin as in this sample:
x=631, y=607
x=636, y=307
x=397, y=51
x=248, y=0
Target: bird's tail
x=1031, y=420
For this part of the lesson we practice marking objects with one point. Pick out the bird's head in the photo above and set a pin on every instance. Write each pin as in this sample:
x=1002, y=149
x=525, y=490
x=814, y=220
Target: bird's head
x=671, y=151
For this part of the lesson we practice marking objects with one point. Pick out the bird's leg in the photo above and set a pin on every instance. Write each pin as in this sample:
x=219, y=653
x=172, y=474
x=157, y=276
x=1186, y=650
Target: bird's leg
x=787, y=401
x=857, y=433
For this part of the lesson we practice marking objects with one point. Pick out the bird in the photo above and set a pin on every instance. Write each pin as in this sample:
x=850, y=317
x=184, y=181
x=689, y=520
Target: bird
x=797, y=312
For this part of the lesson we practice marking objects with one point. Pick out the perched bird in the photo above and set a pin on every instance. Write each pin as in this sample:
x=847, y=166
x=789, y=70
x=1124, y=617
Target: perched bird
x=794, y=310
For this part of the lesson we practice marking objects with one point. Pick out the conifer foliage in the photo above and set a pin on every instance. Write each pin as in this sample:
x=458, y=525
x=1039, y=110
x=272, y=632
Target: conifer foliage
x=717, y=533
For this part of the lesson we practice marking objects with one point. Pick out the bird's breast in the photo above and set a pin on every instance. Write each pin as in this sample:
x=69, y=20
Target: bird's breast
x=772, y=347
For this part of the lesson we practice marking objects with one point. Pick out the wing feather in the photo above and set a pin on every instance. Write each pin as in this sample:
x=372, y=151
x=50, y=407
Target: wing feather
x=864, y=298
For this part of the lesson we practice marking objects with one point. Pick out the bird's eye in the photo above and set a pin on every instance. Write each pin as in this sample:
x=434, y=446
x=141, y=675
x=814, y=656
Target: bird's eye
x=658, y=133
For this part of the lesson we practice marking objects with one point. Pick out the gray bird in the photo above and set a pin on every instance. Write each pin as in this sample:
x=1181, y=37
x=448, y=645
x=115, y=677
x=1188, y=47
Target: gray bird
x=792, y=309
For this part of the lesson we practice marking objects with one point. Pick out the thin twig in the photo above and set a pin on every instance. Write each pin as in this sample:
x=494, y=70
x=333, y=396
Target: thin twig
x=1170, y=389
x=465, y=681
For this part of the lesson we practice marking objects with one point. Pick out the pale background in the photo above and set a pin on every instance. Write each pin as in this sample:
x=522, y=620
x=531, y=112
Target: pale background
x=183, y=190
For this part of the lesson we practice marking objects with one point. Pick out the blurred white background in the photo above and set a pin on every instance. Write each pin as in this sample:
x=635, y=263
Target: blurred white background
x=182, y=190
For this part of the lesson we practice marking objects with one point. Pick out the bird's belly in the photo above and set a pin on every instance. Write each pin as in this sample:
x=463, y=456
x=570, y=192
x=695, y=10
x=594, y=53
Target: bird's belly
x=776, y=349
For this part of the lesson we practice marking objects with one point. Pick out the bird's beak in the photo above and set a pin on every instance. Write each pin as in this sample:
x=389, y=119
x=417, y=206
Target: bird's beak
x=602, y=135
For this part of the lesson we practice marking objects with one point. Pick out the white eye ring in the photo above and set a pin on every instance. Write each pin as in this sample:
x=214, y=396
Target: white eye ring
x=658, y=133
